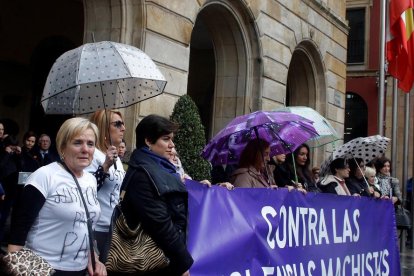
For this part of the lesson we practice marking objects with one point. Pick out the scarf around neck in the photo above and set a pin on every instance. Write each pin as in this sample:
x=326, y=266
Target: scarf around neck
x=163, y=162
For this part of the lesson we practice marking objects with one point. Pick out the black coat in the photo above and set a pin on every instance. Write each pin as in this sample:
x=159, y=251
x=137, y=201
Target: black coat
x=357, y=186
x=282, y=175
x=46, y=159
x=158, y=199
x=9, y=172
x=28, y=161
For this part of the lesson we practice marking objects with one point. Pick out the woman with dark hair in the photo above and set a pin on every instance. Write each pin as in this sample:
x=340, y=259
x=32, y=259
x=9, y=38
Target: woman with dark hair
x=389, y=186
x=334, y=183
x=29, y=161
x=304, y=175
x=356, y=182
x=155, y=195
x=252, y=172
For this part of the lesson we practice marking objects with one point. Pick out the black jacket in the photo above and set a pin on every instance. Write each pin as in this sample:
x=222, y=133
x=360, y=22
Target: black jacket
x=158, y=199
x=28, y=161
x=357, y=186
x=46, y=159
x=281, y=174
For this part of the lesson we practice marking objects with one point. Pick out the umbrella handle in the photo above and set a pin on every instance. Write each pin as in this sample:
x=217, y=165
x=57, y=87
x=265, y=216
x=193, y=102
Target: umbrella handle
x=264, y=161
x=363, y=176
x=109, y=132
x=115, y=167
x=294, y=168
x=293, y=157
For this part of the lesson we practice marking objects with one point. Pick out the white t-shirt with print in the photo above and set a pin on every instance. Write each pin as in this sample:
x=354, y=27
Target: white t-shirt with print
x=60, y=232
x=108, y=194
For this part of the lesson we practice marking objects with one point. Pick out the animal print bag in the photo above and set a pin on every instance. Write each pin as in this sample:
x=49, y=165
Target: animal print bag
x=27, y=263
x=132, y=250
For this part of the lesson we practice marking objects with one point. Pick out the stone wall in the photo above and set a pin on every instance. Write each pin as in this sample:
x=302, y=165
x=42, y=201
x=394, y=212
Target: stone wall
x=165, y=34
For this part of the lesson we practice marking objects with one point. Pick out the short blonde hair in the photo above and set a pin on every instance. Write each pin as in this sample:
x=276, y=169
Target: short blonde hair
x=102, y=119
x=370, y=172
x=71, y=128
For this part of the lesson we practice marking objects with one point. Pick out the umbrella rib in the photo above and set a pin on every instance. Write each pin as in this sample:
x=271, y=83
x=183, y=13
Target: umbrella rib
x=120, y=94
x=123, y=62
x=307, y=129
x=100, y=83
x=77, y=86
x=104, y=104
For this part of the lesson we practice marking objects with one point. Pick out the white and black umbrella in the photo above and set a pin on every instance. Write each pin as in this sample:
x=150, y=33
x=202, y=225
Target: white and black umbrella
x=100, y=75
x=366, y=148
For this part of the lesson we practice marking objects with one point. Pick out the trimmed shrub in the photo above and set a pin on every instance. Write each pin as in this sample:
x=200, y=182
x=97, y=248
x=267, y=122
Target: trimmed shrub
x=190, y=138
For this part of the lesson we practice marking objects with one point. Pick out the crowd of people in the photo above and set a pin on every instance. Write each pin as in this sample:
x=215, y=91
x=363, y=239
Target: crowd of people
x=345, y=176
x=53, y=189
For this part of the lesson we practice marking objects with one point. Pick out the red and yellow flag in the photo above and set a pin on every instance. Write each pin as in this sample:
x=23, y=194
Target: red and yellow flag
x=400, y=46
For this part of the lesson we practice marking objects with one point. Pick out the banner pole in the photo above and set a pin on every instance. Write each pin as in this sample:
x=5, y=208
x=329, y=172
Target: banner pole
x=381, y=91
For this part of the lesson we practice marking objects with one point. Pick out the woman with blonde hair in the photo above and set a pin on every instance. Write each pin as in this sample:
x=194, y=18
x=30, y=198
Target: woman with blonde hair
x=51, y=218
x=108, y=170
x=370, y=176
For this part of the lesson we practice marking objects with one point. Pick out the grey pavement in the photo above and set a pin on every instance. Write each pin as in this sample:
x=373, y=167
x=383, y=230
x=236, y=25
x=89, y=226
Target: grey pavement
x=406, y=258
x=407, y=262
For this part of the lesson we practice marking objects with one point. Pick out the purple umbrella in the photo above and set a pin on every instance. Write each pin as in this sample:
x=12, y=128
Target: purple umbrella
x=284, y=131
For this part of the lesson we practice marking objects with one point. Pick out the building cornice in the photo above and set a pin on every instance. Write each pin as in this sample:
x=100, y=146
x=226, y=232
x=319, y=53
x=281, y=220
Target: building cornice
x=361, y=73
x=327, y=13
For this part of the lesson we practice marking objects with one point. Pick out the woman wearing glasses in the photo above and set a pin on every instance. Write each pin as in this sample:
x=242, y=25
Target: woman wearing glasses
x=108, y=170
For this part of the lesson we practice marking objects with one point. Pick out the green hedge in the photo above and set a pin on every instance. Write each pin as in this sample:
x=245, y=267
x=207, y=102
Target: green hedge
x=190, y=138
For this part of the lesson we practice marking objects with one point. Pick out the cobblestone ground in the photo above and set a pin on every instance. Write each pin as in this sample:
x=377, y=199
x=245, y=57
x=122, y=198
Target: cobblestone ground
x=407, y=262
x=406, y=257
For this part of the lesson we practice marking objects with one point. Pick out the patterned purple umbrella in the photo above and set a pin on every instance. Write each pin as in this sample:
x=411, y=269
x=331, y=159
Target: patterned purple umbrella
x=284, y=131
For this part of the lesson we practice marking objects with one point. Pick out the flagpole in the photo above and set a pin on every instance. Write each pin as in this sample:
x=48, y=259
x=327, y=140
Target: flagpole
x=394, y=137
x=406, y=143
x=405, y=157
x=381, y=91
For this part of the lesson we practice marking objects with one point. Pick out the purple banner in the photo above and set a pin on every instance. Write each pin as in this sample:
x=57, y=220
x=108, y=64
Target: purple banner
x=251, y=232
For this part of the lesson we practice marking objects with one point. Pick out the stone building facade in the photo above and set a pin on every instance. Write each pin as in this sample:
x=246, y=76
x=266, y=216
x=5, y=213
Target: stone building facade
x=231, y=56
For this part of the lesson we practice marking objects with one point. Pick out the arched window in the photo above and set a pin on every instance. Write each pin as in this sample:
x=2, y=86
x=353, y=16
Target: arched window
x=356, y=117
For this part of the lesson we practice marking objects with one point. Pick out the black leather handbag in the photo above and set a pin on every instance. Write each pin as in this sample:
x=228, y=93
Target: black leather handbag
x=402, y=217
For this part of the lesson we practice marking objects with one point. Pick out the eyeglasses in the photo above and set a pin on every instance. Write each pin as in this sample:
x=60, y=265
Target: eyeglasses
x=118, y=124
